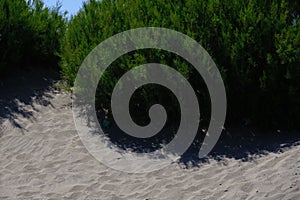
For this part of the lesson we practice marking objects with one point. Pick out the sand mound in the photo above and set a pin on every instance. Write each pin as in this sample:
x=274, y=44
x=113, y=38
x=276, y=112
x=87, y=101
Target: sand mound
x=42, y=157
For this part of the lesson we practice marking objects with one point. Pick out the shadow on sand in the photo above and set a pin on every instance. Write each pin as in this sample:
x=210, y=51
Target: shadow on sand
x=18, y=92
x=240, y=143
x=244, y=144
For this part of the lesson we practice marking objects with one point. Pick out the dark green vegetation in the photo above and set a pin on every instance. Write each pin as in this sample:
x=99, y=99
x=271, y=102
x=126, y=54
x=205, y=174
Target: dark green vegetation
x=254, y=43
x=30, y=34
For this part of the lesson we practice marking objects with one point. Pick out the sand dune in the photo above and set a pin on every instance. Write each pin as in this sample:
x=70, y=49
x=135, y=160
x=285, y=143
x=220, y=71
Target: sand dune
x=42, y=157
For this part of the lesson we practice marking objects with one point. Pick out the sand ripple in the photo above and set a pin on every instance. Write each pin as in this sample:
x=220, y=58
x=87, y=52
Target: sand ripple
x=46, y=160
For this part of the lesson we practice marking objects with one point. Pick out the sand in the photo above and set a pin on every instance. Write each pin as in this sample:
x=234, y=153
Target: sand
x=42, y=157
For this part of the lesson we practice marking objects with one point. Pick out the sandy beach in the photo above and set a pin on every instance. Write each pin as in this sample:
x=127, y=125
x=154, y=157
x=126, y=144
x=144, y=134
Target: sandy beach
x=42, y=157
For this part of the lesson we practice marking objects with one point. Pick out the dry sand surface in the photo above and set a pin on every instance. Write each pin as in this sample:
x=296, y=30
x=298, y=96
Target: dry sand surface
x=42, y=157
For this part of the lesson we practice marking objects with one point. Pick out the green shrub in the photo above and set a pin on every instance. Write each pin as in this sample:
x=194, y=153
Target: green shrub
x=254, y=43
x=30, y=34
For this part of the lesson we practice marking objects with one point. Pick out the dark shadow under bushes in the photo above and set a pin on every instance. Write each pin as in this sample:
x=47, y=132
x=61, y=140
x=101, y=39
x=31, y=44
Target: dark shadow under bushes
x=244, y=144
x=25, y=87
x=239, y=143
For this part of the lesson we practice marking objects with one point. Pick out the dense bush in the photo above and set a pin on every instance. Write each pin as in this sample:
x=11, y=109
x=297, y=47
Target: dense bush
x=30, y=34
x=254, y=43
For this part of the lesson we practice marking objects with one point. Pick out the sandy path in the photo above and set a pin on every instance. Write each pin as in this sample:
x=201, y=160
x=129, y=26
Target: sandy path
x=45, y=159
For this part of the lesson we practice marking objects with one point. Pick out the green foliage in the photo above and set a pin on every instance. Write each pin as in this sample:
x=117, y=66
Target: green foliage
x=30, y=34
x=254, y=43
